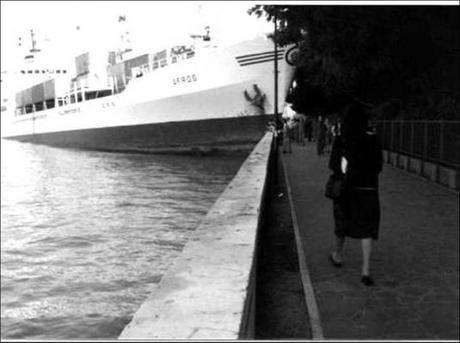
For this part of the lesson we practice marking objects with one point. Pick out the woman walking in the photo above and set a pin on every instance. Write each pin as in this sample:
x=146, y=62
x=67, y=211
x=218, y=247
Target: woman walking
x=357, y=153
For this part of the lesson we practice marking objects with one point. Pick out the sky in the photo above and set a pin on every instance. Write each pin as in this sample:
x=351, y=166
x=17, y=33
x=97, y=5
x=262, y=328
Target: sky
x=153, y=25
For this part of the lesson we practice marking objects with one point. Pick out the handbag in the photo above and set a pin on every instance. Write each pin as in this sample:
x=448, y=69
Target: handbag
x=335, y=186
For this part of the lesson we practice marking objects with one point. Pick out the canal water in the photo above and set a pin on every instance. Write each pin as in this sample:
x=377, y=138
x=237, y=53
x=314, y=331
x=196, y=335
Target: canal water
x=86, y=235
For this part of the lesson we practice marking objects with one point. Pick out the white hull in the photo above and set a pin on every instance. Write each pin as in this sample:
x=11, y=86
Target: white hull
x=208, y=87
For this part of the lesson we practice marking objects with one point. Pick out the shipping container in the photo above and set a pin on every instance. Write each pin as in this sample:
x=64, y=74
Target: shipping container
x=19, y=99
x=117, y=69
x=160, y=55
x=82, y=64
x=49, y=90
x=136, y=62
x=27, y=96
x=38, y=93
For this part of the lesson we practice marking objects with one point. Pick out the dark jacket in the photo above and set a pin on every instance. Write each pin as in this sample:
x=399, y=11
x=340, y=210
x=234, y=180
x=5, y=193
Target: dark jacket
x=364, y=159
x=357, y=212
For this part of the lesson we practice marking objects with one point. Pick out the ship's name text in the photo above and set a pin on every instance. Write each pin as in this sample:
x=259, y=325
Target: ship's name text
x=73, y=110
x=185, y=79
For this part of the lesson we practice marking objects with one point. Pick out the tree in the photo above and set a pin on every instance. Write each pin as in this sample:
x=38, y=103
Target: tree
x=404, y=58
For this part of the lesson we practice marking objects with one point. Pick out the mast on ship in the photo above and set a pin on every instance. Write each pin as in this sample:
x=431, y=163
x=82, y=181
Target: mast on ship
x=202, y=39
x=125, y=40
x=34, y=49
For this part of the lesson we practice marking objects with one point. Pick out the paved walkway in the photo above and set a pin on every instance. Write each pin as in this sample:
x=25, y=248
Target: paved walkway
x=415, y=263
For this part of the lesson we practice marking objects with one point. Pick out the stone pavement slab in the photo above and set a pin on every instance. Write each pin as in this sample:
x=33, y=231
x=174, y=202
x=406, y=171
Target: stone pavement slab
x=415, y=262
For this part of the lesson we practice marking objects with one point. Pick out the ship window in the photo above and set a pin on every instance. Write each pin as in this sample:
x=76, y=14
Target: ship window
x=37, y=71
x=50, y=103
x=72, y=98
x=163, y=63
x=29, y=72
x=64, y=71
x=155, y=65
x=23, y=71
x=174, y=59
x=90, y=95
x=38, y=106
x=43, y=71
x=58, y=71
x=79, y=97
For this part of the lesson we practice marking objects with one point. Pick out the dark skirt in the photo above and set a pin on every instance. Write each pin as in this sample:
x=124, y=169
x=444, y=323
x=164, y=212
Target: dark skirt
x=357, y=214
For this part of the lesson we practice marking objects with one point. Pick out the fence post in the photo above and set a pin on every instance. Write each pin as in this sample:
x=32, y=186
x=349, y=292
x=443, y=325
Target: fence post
x=411, y=147
x=391, y=150
x=382, y=134
x=401, y=126
x=441, y=151
x=425, y=146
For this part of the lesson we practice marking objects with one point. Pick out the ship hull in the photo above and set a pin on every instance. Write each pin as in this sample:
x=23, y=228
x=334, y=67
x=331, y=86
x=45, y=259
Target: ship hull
x=201, y=104
x=197, y=136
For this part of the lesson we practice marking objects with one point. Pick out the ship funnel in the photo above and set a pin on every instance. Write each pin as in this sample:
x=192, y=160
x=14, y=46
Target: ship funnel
x=205, y=36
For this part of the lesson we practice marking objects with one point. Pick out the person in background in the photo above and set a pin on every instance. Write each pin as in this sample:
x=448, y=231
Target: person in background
x=286, y=137
x=301, y=128
x=328, y=135
x=314, y=127
x=293, y=128
x=320, y=136
x=309, y=128
x=335, y=129
x=357, y=152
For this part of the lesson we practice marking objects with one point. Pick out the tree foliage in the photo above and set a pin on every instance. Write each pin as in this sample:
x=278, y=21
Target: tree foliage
x=400, y=60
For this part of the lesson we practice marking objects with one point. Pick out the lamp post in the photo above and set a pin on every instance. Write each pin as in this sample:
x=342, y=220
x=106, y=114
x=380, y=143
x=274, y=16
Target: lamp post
x=275, y=103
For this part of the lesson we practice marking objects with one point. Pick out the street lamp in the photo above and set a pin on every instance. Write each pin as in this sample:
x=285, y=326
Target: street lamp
x=277, y=120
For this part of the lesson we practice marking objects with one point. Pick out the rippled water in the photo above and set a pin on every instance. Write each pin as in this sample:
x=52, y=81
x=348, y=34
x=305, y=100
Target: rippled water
x=85, y=235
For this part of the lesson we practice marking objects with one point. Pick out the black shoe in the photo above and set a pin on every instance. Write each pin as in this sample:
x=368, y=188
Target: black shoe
x=367, y=280
x=336, y=263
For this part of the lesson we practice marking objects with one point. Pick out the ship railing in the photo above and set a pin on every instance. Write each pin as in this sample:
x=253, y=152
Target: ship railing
x=139, y=71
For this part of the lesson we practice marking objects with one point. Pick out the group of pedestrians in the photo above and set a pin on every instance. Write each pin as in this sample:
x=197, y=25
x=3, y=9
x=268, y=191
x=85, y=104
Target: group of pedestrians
x=355, y=160
x=325, y=130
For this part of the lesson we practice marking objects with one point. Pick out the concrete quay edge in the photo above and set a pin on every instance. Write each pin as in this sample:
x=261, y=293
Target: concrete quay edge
x=309, y=292
x=209, y=292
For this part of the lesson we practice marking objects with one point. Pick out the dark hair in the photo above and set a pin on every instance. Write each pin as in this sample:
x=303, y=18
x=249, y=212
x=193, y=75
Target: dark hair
x=355, y=122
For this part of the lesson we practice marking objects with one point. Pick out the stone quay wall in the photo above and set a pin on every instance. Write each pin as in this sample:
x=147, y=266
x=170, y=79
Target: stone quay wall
x=209, y=292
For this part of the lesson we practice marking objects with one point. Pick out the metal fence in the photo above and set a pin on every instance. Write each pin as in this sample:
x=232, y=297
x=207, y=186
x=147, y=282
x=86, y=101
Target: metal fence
x=432, y=141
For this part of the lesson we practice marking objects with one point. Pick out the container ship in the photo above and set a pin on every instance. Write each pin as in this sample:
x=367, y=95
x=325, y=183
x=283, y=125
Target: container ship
x=188, y=97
